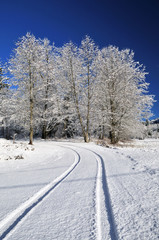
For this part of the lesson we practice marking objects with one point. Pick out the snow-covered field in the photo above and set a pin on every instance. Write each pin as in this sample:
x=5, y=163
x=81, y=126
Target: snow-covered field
x=69, y=191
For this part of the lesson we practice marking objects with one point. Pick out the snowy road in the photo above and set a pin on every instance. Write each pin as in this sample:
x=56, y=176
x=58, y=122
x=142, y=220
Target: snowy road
x=80, y=191
x=9, y=223
x=61, y=210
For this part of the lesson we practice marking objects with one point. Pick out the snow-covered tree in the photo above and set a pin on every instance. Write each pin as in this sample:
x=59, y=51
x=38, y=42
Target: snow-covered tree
x=68, y=66
x=4, y=102
x=70, y=71
x=87, y=54
x=59, y=90
x=78, y=70
x=23, y=67
x=47, y=89
x=122, y=93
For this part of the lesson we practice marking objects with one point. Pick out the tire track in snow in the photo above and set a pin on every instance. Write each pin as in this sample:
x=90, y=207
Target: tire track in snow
x=96, y=221
x=98, y=199
x=102, y=176
x=108, y=205
x=102, y=180
x=10, y=222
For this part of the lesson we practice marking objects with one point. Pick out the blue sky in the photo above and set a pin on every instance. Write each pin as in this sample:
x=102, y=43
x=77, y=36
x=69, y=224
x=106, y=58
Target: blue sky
x=130, y=24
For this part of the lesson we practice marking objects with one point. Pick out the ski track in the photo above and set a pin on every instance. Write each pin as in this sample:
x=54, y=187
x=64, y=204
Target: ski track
x=102, y=180
x=10, y=222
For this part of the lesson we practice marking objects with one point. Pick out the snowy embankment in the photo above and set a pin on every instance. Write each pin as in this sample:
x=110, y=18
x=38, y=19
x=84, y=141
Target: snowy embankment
x=67, y=190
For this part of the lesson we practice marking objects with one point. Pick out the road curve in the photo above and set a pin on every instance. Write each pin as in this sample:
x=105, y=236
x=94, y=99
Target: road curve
x=79, y=209
x=68, y=212
x=10, y=222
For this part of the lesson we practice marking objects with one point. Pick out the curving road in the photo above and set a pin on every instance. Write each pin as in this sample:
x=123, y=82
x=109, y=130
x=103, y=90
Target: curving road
x=69, y=191
x=73, y=205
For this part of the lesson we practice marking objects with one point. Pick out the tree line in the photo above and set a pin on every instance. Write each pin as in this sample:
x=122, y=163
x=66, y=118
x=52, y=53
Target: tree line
x=73, y=90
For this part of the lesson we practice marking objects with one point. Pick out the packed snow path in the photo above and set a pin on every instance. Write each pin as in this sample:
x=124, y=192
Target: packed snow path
x=100, y=193
x=82, y=193
x=9, y=223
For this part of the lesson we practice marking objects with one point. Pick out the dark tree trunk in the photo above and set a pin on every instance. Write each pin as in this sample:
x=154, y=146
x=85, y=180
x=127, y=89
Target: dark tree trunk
x=113, y=137
x=44, y=132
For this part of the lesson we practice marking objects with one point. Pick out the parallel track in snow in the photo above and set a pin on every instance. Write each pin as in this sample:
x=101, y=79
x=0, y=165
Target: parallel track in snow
x=108, y=205
x=102, y=181
x=8, y=224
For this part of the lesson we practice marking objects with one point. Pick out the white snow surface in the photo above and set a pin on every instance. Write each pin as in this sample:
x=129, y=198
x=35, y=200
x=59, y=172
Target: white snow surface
x=73, y=190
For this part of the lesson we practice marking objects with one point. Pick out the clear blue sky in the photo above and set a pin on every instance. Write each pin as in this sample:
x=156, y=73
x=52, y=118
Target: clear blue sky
x=130, y=24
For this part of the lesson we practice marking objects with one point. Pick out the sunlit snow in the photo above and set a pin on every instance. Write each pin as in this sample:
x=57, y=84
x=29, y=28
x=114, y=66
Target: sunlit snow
x=65, y=190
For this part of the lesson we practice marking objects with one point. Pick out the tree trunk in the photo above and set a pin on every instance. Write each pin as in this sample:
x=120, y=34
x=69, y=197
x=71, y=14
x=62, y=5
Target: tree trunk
x=44, y=133
x=3, y=132
x=86, y=137
x=88, y=105
x=113, y=134
x=31, y=107
x=7, y=132
x=113, y=137
x=31, y=125
x=75, y=94
x=103, y=132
